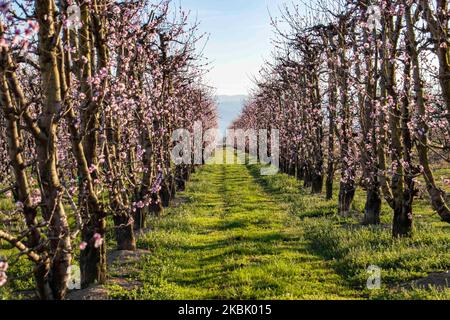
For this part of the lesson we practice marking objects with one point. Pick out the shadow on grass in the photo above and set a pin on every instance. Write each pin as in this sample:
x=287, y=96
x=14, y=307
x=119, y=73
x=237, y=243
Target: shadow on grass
x=351, y=247
x=293, y=194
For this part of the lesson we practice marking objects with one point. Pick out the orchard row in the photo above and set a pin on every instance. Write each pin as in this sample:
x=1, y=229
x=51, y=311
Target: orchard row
x=91, y=92
x=361, y=88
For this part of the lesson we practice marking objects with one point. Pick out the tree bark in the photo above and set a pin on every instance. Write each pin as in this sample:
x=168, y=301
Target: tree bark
x=124, y=233
x=347, y=184
x=15, y=147
x=438, y=26
x=51, y=189
x=92, y=259
x=436, y=194
x=332, y=91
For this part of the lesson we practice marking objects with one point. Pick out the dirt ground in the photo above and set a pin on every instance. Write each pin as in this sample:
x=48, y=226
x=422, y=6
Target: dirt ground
x=120, y=263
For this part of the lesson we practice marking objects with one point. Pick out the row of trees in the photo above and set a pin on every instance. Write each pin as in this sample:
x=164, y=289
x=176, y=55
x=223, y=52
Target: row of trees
x=90, y=93
x=361, y=87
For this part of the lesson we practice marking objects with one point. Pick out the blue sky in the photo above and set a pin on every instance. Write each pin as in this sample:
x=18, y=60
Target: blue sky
x=240, y=39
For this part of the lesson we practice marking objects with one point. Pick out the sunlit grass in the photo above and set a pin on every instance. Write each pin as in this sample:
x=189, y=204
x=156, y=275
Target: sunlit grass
x=351, y=247
x=231, y=241
x=240, y=235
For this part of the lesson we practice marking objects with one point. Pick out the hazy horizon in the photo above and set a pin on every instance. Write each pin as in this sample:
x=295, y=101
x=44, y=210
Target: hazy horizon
x=229, y=107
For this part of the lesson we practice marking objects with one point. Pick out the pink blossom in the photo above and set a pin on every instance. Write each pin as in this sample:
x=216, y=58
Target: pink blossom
x=140, y=205
x=3, y=266
x=3, y=43
x=33, y=25
x=116, y=10
x=83, y=246
x=3, y=276
x=19, y=205
x=92, y=169
x=98, y=240
x=36, y=197
x=121, y=87
x=101, y=159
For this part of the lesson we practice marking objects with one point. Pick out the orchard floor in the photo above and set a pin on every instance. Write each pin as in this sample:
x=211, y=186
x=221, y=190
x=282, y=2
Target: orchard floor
x=235, y=234
x=231, y=240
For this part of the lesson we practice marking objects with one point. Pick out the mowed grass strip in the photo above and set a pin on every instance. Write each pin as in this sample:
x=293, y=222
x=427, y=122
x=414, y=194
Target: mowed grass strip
x=351, y=247
x=231, y=240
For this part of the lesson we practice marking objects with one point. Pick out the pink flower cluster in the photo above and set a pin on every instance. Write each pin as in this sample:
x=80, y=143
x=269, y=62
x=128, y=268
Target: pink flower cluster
x=3, y=276
x=97, y=239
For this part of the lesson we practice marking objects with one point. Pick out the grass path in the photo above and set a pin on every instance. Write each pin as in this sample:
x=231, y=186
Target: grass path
x=230, y=240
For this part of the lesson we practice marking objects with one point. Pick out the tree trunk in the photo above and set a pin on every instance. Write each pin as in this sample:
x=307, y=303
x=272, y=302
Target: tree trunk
x=23, y=192
x=292, y=168
x=346, y=195
x=372, y=207
x=347, y=184
x=165, y=193
x=317, y=183
x=369, y=161
x=93, y=259
x=124, y=233
x=332, y=89
x=51, y=189
x=330, y=160
x=156, y=207
x=85, y=146
x=403, y=220
x=307, y=180
x=437, y=22
x=436, y=194
x=179, y=178
x=329, y=184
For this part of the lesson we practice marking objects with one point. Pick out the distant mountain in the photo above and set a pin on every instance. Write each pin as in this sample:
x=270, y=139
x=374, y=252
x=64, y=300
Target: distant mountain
x=230, y=108
x=235, y=98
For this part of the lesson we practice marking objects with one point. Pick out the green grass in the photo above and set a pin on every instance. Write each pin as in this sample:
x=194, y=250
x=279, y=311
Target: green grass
x=240, y=235
x=231, y=241
x=351, y=247
x=19, y=272
x=244, y=236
